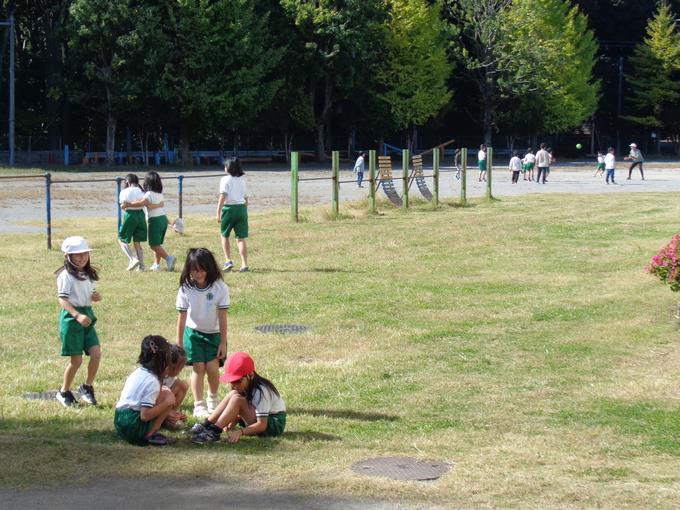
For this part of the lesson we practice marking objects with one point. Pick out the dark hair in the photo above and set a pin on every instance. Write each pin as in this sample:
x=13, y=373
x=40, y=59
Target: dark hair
x=89, y=270
x=176, y=354
x=255, y=383
x=152, y=182
x=233, y=167
x=529, y=149
x=611, y=149
x=516, y=154
x=132, y=180
x=542, y=146
x=154, y=355
x=203, y=258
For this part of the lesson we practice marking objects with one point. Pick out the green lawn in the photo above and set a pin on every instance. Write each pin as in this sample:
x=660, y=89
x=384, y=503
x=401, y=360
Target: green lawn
x=520, y=340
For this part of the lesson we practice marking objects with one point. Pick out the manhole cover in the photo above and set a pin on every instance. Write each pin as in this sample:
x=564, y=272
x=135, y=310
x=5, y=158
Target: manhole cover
x=41, y=395
x=281, y=328
x=402, y=468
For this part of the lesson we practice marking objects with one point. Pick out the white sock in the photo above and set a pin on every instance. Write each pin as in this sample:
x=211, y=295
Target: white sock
x=140, y=256
x=127, y=250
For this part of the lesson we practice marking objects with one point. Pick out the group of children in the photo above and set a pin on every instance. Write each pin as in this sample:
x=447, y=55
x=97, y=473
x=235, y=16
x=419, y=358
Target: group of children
x=607, y=163
x=152, y=395
x=541, y=160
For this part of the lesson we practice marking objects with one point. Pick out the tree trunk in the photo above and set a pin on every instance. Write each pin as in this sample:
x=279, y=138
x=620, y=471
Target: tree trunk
x=110, y=138
x=320, y=146
x=185, y=155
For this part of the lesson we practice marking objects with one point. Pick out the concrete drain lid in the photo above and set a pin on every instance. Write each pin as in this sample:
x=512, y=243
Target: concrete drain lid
x=281, y=328
x=402, y=468
x=41, y=395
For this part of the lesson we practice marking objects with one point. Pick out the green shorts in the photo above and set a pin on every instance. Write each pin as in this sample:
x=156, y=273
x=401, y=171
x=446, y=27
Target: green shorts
x=133, y=227
x=130, y=426
x=530, y=167
x=482, y=165
x=75, y=338
x=201, y=347
x=235, y=216
x=157, y=228
x=276, y=423
x=600, y=166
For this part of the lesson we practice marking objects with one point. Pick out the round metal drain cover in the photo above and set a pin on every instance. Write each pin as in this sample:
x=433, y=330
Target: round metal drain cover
x=281, y=328
x=41, y=395
x=402, y=468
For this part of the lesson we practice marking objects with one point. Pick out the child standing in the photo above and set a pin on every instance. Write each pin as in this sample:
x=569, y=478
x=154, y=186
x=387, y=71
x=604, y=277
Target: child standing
x=481, y=161
x=600, y=164
x=529, y=161
x=254, y=403
x=515, y=166
x=158, y=220
x=636, y=157
x=144, y=404
x=76, y=291
x=177, y=359
x=610, y=165
x=359, y=167
x=232, y=213
x=133, y=226
x=202, y=303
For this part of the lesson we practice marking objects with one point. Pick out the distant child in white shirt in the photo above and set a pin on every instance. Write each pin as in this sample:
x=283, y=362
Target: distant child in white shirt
x=232, y=213
x=610, y=165
x=481, y=161
x=515, y=167
x=600, y=164
x=529, y=162
x=133, y=226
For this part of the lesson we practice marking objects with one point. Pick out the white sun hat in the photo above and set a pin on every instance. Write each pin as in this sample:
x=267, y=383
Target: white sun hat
x=634, y=145
x=75, y=244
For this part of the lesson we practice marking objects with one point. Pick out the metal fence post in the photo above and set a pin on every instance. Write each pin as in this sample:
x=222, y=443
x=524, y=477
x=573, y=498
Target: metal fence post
x=489, y=168
x=48, y=208
x=435, y=169
x=180, y=192
x=404, y=175
x=118, y=181
x=66, y=158
x=463, y=175
x=335, y=199
x=371, y=180
x=294, y=162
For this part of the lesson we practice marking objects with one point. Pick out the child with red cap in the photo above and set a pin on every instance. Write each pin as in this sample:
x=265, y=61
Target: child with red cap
x=254, y=403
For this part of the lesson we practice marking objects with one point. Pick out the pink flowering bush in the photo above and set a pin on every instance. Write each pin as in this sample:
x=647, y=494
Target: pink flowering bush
x=664, y=265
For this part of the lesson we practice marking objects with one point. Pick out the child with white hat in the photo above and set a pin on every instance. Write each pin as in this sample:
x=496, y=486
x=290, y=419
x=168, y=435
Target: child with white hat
x=76, y=292
x=636, y=157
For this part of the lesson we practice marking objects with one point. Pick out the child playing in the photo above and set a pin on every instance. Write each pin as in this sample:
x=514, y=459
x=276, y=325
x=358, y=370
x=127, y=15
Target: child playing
x=359, y=167
x=158, y=220
x=636, y=157
x=254, y=403
x=515, y=166
x=600, y=164
x=481, y=161
x=76, y=291
x=529, y=161
x=133, y=227
x=202, y=303
x=176, y=362
x=144, y=404
x=232, y=213
x=610, y=165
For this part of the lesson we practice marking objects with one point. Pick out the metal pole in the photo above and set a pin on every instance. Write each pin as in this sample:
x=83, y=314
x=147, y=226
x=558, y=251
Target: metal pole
x=48, y=208
x=335, y=199
x=180, y=192
x=11, y=88
x=404, y=175
x=489, y=171
x=435, y=169
x=463, y=176
x=371, y=180
x=118, y=181
x=294, y=161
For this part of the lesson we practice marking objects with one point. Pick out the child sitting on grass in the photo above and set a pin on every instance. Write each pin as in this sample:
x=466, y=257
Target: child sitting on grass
x=254, y=403
x=179, y=388
x=144, y=403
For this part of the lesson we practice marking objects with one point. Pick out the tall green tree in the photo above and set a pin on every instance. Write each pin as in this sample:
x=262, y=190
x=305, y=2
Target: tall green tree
x=416, y=69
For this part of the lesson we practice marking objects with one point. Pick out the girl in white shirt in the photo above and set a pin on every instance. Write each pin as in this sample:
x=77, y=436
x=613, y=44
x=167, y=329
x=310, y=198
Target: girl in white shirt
x=133, y=226
x=232, y=213
x=481, y=161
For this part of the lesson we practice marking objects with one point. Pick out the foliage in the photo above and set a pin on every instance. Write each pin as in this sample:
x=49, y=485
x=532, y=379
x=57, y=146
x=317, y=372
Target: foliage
x=665, y=264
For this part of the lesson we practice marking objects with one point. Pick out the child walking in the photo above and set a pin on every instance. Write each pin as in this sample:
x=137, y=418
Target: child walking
x=158, y=220
x=144, y=403
x=610, y=165
x=176, y=361
x=515, y=166
x=600, y=164
x=481, y=161
x=232, y=213
x=202, y=303
x=76, y=292
x=359, y=167
x=133, y=226
x=253, y=403
x=529, y=161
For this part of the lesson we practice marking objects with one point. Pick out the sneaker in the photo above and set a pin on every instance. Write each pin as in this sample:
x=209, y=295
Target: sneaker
x=198, y=428
x=228, y=266
x=200, y=410
x=213, y=401
x=155, y=267
x=66, y=398
x=170, y=261
x=207, y=436
x=158, y=439
x=244, y=269
x=87, y=394
x=134, y=264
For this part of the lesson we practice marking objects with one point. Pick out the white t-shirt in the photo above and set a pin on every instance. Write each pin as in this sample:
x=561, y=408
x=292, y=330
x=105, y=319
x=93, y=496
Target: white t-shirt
x=515, y=164
x=141, y=390
x=609, y=161
x=267, y=402
x=600, y=159
x=530, y=157
x=201, y=305
x=154, y=198
x=359, y=165
x=542, y=158
x=481, y=155
x=234, y=188
x=77, y=292
x=131, y=194
x=635, y=155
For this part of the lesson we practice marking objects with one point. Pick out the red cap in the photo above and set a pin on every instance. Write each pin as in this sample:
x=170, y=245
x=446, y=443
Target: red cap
x=238, y=365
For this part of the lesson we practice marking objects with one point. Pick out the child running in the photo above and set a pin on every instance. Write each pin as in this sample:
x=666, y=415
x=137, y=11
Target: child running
x=254, y=403
x=176, y=361
x=76, y=291
x=133, y=226
x=202, y=303
x=232, y=213
x=600, y=164
x=529, y=161
x=144, y=403
x=158, y=220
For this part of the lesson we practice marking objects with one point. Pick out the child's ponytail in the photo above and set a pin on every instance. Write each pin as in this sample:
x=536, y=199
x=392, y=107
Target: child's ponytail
x=154, y=355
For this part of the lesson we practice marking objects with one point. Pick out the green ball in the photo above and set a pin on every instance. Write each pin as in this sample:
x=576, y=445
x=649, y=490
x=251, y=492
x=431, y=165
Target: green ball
x=578, y=145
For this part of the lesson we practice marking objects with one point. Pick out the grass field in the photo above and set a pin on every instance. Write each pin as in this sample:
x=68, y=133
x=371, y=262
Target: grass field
x=519, y=339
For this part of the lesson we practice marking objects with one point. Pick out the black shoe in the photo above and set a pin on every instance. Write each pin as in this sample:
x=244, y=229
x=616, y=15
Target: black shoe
x=207, y=436
x=158, y=439
x=87, y=394
x=66, y=398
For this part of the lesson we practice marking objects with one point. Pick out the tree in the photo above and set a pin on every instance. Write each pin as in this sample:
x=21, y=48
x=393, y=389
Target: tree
x=416, y=69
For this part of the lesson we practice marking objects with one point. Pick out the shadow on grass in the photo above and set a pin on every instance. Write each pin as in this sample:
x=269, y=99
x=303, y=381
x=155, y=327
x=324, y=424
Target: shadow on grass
x=308, y=435
x=347, y=414
x=310, y=270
